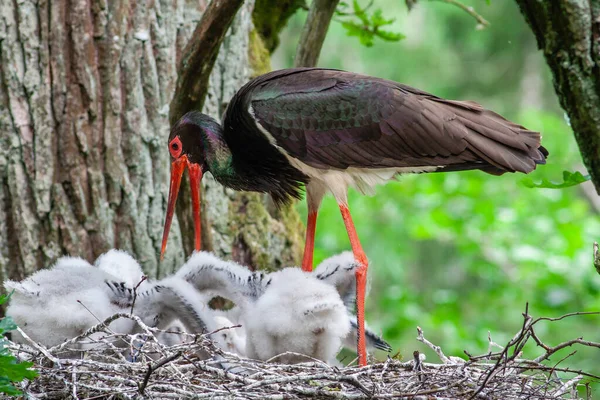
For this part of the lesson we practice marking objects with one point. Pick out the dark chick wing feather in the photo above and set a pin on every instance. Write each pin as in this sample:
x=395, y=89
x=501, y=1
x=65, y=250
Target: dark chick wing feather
x=336, y=119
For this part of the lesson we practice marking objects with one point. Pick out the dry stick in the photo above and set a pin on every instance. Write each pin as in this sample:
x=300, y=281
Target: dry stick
x=314, y=32
x=552, y=350
x=565, y=316
x=521, y=338
x=437, y=349
x=515, y=341
x=199, y=56
x=157, y=365
x=563, y=389
x=39, y=347
x=135, y=292
x=100, y=327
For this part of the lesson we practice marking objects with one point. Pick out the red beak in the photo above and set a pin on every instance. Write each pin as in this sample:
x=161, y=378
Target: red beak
x=177, y=168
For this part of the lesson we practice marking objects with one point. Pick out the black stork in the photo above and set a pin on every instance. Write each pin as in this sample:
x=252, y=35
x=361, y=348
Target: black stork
x=328, y=130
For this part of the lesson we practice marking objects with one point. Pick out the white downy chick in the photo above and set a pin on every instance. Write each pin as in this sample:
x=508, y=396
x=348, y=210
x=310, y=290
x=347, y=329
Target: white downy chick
x=338, y=271
x=232, y=340
x=296, y=313
x=123, y=266
x=174, y=301
x=61, y=302
x=286, y=311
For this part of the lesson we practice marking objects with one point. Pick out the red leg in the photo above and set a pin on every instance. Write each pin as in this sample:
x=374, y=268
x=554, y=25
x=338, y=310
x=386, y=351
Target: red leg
x=309, y=245
x=361, y=283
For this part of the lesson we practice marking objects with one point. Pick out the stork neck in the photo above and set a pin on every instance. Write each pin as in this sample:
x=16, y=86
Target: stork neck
x=220, y=163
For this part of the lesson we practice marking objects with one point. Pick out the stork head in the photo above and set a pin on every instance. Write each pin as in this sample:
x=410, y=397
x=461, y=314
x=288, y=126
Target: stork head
x=189, y=148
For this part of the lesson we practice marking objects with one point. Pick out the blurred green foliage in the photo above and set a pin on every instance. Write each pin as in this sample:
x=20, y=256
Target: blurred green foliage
x=460, y=254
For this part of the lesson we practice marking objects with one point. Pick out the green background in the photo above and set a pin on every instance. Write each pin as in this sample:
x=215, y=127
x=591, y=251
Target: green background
x=460, y=254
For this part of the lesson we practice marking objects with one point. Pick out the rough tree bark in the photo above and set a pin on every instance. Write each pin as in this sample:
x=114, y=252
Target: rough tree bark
x=314, y=32
x=84, y=117
x=568, y=32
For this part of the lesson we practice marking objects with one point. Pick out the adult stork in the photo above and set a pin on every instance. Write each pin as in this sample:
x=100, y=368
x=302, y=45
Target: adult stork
x=328, y=130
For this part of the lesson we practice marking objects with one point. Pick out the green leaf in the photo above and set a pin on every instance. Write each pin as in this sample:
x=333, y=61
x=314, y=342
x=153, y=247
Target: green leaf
x=5, y=297
x=367, y=26
x=12, y=371
x=378, y=20
x=569, y=179
x=360, y=13
x=353, y=29
x=7, y=324
x=389, y=36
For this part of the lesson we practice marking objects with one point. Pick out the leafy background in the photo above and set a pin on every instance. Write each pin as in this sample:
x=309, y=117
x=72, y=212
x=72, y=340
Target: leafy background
x=460, y=254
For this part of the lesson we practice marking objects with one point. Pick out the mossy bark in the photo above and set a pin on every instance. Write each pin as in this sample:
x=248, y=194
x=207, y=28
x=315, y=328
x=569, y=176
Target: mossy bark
x=568, y=32
x=84, y=167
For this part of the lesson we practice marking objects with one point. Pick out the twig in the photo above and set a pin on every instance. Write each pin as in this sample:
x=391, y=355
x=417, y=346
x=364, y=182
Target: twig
x=135, y=292
x=88, y=310
x=199, y=57
x=573, y=314
x=469, y=10
x=314, y=32
x=552, y=350
x=569, y=384
x=99, y=328
x=418, y=367
x=39, y=347
x=492, y=344
x=157, y=365
x=437, y=349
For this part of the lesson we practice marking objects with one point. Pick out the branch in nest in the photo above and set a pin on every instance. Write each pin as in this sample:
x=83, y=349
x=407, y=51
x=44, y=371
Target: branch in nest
x=135, y=292
x=517, y=343
x=157, y=365
x=181, y=373
x=314, y=32
x=437, y=349
x=199, y=57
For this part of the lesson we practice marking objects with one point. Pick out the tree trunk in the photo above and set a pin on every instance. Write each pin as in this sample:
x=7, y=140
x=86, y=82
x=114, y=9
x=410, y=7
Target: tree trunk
x=568, y=32
x=84, y=166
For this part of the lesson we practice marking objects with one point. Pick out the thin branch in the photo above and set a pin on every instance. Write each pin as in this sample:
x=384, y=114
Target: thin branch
x=199, y=57
x=39, y=347
x=573, y=314
x=469, y=10
x=552, y=350
x=135, y=292
x=437, y=349
x=157, y=365
x=314, y=32
x=596, y=257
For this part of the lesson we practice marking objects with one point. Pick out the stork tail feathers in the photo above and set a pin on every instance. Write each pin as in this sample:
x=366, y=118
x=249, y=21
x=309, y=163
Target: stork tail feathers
x=504, y=145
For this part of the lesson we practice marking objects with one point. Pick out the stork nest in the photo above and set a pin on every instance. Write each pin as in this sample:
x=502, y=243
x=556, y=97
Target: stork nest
x=174, y=372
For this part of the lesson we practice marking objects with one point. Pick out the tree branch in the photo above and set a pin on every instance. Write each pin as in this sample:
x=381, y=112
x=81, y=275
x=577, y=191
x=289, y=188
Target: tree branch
x=199, y=57
x=314, y=32
x=596, y=257
x=568, y=32
x=469, y=10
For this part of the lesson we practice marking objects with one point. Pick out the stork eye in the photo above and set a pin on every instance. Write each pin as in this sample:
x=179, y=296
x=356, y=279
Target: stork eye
x=175, y=147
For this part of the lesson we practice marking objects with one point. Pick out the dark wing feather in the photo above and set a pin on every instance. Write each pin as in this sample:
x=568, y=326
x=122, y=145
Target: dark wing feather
x=336, y=119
